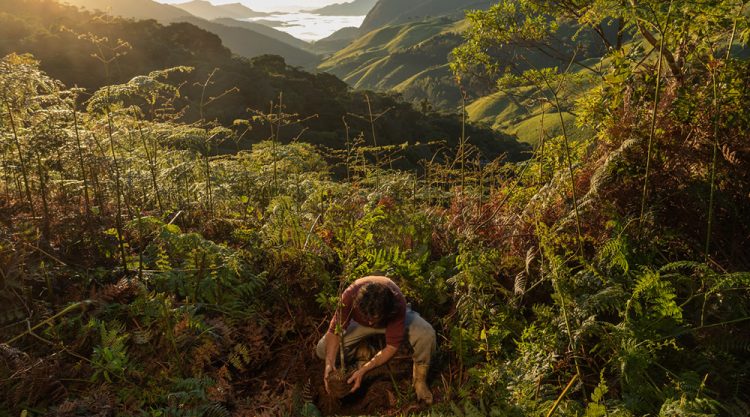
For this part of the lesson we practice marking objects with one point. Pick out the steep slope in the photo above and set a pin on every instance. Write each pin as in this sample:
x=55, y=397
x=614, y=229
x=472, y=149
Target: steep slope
x=208, y=11
x=390, y=12
x=405, y=47
x=412, y=59
x=519, y=111
x=336, y=41
x=354, y=8
x=248, y=40
x=407, y=58
x=515, y=112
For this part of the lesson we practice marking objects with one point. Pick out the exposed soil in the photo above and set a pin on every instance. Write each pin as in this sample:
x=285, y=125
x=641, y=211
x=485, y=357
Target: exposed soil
x=385, y=390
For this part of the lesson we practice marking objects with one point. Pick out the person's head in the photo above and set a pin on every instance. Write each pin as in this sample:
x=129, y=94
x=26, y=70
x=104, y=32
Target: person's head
x=376, y=302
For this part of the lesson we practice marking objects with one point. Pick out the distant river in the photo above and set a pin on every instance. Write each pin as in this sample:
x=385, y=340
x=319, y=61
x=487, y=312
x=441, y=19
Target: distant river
x=309, y=27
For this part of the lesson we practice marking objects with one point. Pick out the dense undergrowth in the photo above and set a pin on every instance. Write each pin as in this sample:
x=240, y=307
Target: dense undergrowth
x=143, y=274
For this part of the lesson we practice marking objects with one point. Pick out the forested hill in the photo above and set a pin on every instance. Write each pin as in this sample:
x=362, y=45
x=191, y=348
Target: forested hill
x=248, y=39
x=251, y=40
x=137, y=9
x=60, y=37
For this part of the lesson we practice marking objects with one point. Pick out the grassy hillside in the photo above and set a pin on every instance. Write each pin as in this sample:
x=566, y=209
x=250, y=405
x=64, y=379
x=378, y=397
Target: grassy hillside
x=382, y=42
x=336, y=41
x=516, y=111
x=434, y=88
x=411, y=59
x=402, y=58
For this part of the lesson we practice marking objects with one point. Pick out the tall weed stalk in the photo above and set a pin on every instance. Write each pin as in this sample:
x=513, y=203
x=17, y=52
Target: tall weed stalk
x=652, y=130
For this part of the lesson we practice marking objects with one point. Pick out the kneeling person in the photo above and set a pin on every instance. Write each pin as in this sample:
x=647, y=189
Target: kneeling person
x=375, y=305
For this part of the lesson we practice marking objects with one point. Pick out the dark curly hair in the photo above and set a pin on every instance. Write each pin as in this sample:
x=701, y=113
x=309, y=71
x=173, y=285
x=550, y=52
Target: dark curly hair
x=376, y=301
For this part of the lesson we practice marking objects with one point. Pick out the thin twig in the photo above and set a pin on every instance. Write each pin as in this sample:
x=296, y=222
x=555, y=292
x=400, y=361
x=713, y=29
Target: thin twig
x=562, y=395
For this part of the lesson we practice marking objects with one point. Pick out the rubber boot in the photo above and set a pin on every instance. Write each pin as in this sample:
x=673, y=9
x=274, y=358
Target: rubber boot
x=364, y=353
x=420, y=383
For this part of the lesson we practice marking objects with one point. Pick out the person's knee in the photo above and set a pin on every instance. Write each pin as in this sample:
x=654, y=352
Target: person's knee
x=423, y=341
x=423, y=332
x=431, y=336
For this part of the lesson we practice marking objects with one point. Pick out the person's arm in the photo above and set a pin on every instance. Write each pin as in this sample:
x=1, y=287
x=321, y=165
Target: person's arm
x=333, y=341
x=339, y=322
x=379, y=359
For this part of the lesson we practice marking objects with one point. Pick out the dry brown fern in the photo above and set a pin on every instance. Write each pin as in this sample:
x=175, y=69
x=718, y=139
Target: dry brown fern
x=254, y=337
x=12, y=359
x=66, y=409
x=730, y=155
x=220, y=328
x=121, y=291
x=101, y=402
x=34, y=381
x=223, y=391
x=267, y=402
x=202, y=356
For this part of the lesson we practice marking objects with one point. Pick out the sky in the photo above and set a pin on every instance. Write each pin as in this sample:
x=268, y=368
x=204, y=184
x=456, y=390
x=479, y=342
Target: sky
x=272, y=5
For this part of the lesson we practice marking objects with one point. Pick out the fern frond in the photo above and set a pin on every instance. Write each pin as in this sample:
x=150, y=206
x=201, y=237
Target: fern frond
x=613, y=253
x=308, y=396
x=240, y=357
x=215, y=410
x=735, y=280
x=609, y=300
x=654, y=297
x=736, y=343
x=684, y=265
x=519, y=285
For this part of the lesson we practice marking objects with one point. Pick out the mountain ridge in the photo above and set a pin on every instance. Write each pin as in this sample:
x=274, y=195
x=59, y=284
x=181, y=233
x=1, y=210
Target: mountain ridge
x=390, y=12
x=256, y=39
x=206, y=10
x=235, y=38
x=135, y=9
x=353, y=8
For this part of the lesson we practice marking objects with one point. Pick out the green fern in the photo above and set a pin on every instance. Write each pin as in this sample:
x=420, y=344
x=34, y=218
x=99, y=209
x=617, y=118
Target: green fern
x=214, y=410
x=611, y=299
x=240, y=357
x=596, y=407
x=653, y=298
x=614, y=253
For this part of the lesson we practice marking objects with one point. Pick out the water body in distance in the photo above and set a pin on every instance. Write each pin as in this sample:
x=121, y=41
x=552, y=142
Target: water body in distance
x=309, y=27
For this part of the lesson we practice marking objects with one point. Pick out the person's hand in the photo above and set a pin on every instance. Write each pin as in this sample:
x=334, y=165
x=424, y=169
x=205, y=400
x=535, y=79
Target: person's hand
x=356, y=378
x=326, y=373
